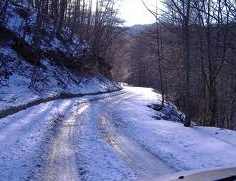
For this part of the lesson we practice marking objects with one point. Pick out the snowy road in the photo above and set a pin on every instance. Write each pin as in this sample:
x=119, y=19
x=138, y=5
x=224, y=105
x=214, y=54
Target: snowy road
x=108, y=137
x=92, y=124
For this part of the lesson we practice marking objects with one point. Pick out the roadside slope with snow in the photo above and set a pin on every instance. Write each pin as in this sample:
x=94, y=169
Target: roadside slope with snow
x=180, y=147
x=33, y=67
x=50, y=80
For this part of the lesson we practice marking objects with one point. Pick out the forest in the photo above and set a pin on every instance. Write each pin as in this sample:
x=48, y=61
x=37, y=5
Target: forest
x=94, y=22
x=188, y=56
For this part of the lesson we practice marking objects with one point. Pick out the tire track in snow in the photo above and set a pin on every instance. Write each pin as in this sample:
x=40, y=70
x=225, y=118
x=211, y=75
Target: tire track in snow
x=145, y=164
x=61, y=164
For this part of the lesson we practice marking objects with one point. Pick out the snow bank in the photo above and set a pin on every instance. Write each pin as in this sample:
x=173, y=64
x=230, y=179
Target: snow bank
x=50, y=80
x=180, y=147
x=58, y=58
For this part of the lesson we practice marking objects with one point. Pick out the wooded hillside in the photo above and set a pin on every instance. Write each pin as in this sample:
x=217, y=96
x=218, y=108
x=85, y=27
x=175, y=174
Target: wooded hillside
x=189, y=57
x=74, y=34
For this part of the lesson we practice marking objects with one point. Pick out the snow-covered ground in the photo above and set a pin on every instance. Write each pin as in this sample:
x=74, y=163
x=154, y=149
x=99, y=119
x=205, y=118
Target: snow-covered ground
x=51, y=80
x=180, y=147
x=27, y=76
x=106, y=137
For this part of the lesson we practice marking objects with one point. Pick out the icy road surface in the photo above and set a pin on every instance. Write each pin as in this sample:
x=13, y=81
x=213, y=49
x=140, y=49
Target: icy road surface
x=108, y=137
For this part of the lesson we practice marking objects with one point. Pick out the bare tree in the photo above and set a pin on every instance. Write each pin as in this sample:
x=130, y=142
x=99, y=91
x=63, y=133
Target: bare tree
x=158, y=48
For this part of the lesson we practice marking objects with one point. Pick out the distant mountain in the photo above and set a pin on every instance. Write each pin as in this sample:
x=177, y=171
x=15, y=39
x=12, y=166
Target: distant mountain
x=137, y=29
